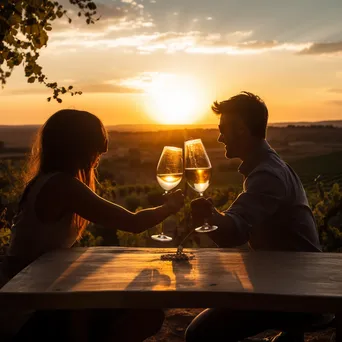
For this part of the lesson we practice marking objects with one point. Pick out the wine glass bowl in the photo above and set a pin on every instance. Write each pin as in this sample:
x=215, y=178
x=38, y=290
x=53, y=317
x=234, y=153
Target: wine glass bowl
x=169, y=181
x=198, y=172
x=198, y=179
x=169, y=175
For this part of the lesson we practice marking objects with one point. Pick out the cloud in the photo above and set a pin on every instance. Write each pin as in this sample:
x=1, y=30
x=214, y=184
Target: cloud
x=143, y=81
x=335, y=90
x=127, y=15
x=242, y=33
x=108, y=88
x=193, y=42
x=174, y=36
x=109, y=28
x=335, y=102
x=259, y=44
x=322, y=48
x=137, y=84
x=105, y=87
x=30, y=90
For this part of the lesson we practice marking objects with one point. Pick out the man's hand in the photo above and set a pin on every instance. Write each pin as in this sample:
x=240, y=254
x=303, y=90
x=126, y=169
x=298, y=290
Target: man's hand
x=201, y=210
x=174, y=201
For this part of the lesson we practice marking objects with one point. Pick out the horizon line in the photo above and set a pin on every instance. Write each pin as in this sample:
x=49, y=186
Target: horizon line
x=161, y=124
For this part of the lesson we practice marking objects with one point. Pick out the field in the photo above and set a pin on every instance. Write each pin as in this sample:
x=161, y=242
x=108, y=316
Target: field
x=127, y=175
x=311, y=151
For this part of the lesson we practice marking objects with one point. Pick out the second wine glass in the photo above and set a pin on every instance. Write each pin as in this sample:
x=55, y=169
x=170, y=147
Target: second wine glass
x=169, y=175
x=198, y=173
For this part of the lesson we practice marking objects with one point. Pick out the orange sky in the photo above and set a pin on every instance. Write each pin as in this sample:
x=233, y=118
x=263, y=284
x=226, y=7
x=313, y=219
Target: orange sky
x=167, y=61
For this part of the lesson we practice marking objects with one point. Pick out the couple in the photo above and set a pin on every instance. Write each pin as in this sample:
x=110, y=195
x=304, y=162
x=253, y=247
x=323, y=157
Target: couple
x=271, y=213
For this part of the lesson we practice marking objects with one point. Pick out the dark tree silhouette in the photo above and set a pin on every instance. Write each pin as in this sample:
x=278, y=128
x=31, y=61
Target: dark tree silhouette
x=24, y=30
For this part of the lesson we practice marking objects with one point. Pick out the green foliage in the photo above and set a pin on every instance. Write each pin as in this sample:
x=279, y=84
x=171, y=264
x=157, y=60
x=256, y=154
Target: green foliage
x=143, y=239
x=5, y=232
x=147, y=189
x=133, y=240
x=122, y=191
x=325, y=202
x=89, y=240
x=329, y=167
x=11, y=185
x=155, y=197
x=327, y=209
x=132, y=202
x=24, y=30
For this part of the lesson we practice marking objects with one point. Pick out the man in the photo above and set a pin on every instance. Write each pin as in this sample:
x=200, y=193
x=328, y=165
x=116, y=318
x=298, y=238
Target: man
x=271, y=213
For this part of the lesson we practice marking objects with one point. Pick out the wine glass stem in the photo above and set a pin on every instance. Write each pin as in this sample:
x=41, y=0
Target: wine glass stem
x=162, y=228
x=162, y=224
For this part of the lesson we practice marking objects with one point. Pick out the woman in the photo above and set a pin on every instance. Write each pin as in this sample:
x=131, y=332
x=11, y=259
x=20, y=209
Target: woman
x=55, y=208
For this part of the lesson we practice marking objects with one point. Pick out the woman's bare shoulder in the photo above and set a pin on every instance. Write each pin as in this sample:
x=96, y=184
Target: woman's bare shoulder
x=52, y=199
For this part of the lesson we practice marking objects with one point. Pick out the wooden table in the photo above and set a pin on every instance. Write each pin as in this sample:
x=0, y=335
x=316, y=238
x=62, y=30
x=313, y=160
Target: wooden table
x=116, y=277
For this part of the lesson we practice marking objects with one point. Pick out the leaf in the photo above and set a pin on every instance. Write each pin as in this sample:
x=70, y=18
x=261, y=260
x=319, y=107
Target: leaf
x=10, y=63
x=59, y=100
x=15, y=19
x=92, y=6
x=37, y=69
x=26, y=26
x=48, y=99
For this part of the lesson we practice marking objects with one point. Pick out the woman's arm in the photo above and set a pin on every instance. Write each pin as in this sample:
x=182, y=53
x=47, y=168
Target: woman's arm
x=80, y=199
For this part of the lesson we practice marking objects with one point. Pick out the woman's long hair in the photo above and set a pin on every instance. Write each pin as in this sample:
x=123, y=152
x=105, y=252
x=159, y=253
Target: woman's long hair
x=70, y=141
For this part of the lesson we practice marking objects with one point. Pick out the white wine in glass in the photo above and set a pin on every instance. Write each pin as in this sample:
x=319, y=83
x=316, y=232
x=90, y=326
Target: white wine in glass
x=169, y=175
x=198, y=178
x=169, y=181
x=198, y=173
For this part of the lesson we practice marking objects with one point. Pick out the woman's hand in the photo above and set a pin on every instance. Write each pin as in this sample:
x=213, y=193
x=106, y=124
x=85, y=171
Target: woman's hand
x=174, y=201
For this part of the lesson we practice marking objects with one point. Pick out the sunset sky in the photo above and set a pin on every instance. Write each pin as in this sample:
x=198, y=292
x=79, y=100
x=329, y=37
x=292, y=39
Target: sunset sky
x=166, y=61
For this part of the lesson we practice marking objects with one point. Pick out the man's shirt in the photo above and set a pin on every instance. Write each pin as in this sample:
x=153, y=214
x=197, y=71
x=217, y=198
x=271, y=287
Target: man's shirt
x=272, y=211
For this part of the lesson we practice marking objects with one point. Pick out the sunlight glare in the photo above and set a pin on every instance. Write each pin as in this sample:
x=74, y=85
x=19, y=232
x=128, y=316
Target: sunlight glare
x=174, y=99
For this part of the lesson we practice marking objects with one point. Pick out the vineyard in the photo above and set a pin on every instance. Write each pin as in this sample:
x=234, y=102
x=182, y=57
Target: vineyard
x=321, y=176
x=328, y=167
x=324, y=194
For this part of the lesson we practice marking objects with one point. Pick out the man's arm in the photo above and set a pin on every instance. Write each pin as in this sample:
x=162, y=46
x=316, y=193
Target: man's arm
x=264, y=193
x=228, y=234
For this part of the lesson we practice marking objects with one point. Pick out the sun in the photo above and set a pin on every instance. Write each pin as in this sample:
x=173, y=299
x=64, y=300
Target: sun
x=173, y=99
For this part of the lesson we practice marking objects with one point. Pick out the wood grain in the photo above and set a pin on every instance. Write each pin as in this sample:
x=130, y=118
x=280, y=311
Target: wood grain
x=101, y=277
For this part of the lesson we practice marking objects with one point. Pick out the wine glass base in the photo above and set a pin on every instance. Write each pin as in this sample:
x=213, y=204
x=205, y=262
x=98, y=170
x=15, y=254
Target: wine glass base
x=206, y=229
x=177, y=257
x=161, y=237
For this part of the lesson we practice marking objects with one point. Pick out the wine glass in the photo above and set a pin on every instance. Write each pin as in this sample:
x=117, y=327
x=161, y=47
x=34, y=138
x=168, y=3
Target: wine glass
x=169, y=175
x=198, y=173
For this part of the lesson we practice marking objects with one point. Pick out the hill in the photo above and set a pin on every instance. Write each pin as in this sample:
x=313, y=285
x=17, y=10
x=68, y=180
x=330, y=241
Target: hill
x=280, y=133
